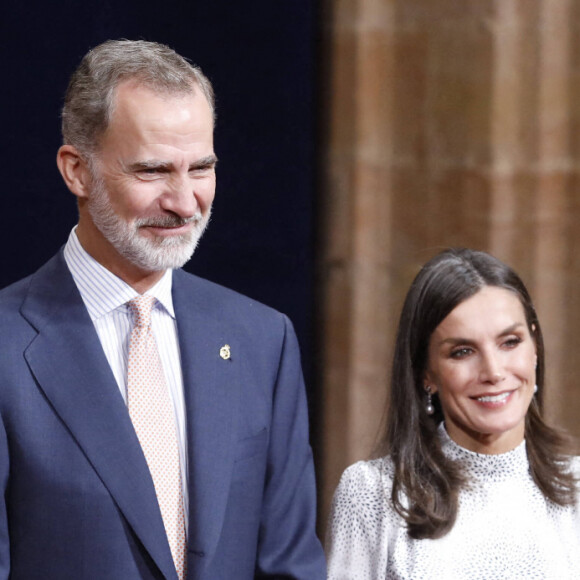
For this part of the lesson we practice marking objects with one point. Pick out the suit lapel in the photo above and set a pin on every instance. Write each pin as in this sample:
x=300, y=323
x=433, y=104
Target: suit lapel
x=70, y=367
x=210, y=389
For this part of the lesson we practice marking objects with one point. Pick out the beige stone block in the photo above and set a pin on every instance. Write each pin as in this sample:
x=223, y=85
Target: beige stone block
x=445, y=123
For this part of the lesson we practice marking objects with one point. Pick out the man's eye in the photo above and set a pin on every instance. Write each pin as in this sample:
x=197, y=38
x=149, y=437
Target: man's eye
x=149, y=172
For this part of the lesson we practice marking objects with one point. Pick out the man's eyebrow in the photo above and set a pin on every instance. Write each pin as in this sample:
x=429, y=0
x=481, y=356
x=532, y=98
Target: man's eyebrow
x=147, y=164
x=204, y=162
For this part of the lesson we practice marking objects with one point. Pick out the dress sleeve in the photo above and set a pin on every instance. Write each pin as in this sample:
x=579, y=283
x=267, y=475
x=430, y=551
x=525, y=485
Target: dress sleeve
x=357, y=536
x=576, y=472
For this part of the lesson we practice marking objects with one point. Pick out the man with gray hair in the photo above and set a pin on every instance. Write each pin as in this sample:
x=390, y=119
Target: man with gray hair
x=153, y=424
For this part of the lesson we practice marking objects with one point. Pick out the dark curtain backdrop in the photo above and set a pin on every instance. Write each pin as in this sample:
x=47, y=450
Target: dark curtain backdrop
x=260, y=57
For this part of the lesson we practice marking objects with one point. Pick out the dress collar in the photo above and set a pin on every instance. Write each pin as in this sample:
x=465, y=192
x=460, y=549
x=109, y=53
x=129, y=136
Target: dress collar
x=485, y=466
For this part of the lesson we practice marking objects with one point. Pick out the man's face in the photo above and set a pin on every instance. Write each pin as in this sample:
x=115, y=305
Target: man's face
x=153, y=181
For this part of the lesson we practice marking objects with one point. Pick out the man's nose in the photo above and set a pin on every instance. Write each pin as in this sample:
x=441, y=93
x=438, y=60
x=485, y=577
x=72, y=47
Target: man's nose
x=180, y=198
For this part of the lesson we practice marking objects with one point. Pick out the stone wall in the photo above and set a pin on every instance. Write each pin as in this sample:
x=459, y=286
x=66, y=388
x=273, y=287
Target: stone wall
x=445, y=123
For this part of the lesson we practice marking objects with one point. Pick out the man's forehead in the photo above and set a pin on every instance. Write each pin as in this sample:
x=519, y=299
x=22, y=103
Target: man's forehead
x=146, y=126
x=137, y=102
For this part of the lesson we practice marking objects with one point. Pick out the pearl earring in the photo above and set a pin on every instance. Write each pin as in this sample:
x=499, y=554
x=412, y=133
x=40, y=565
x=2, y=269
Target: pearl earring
x=429, y=403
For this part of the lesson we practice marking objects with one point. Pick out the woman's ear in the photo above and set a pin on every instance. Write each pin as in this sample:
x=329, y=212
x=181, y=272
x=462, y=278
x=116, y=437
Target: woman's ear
x=534, y=328
x=429, y=383
x=74, y=170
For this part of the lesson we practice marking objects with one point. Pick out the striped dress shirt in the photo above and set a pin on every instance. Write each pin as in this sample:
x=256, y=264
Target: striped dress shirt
x=105, y=297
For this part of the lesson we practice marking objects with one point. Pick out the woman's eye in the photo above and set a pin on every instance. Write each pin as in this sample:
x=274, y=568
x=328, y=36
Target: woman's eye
x=461, y=352
x=512, y=342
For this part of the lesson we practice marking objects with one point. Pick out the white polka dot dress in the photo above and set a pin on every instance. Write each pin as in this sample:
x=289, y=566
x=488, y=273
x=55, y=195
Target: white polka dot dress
x=505, y=528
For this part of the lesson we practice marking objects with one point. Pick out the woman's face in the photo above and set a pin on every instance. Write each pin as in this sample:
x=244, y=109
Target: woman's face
x=482, y=364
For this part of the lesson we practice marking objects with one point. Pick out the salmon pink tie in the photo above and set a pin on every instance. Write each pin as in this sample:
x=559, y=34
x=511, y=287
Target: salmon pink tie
x=152, y=415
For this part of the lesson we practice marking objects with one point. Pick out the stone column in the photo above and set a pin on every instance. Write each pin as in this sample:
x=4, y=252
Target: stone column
x=356, y=245
x=446, y=123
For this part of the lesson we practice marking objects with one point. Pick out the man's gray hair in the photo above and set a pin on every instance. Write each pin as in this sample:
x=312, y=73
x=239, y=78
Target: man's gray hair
x=89, y=98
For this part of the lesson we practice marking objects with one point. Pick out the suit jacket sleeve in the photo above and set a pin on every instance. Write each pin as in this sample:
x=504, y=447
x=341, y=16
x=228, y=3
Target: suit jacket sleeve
x=4, y=538
x=288, y=545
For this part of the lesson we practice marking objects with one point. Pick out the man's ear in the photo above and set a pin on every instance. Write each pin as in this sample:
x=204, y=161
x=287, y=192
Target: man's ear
x=74, y=170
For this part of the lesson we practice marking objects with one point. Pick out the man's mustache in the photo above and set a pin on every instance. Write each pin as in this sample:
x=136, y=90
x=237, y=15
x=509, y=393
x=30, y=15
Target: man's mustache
x=167, y=221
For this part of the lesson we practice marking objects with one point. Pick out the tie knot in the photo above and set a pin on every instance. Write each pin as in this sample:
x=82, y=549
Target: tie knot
x=141, y=309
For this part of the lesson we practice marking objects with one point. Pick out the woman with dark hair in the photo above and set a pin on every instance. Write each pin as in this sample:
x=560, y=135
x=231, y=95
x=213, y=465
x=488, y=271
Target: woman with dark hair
x=471, y=482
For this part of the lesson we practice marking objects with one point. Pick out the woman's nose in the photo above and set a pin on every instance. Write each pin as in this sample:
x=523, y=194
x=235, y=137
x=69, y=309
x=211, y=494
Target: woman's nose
x=491, y=370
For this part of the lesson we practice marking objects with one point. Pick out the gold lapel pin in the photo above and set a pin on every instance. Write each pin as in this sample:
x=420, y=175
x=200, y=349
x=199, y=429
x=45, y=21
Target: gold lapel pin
x=225, y=352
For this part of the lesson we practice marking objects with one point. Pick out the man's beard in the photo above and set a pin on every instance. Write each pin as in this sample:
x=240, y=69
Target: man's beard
x=152, y=254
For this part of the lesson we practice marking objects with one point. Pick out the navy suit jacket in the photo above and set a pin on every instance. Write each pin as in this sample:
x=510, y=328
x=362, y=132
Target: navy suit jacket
x=79, y=501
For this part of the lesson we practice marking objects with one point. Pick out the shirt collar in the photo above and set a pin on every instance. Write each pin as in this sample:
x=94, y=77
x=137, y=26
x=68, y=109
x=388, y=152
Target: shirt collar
x=102, y=291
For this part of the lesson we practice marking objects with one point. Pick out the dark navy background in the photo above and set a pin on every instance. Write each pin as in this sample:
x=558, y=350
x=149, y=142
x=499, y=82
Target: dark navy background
x=259, y=56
